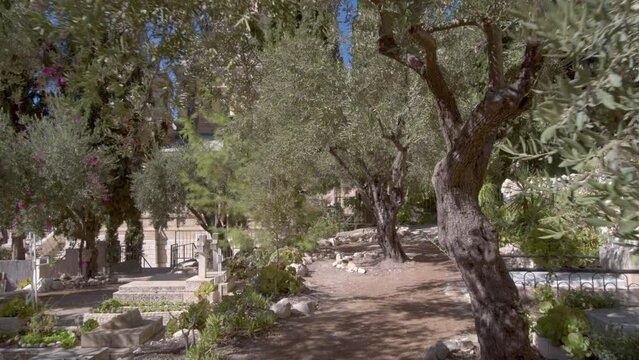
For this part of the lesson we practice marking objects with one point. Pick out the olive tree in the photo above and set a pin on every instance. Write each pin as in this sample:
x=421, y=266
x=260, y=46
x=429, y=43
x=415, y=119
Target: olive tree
x=409, y=33
x=359, y=123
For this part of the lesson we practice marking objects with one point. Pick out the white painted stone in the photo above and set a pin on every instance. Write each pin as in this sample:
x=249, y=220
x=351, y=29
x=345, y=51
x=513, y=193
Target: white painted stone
x=351, y=267
x=361, y=271
x=300, y=269
x=304, y=307
x=282, y=308
x=193, y=336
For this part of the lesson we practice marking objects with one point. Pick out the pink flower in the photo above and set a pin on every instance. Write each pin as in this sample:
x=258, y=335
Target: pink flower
x=58, y=69
x=61, y=81
x=77, y=117
x=27, y=194
x=38, y=158
x=91, y=160
x=48, y=71
x=13, y=226
x=105, y=199
x=21, y=205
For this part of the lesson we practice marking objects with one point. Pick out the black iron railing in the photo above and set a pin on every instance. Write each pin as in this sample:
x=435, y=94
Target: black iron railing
x=182, y=252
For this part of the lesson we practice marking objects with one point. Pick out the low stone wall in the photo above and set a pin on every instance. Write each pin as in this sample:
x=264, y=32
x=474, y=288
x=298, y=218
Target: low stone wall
x=102, y=318
x=16, y=271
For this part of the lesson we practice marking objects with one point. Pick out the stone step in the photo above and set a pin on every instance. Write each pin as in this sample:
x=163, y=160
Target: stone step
x=153, y=296
x=76, y=354
x=153, y=287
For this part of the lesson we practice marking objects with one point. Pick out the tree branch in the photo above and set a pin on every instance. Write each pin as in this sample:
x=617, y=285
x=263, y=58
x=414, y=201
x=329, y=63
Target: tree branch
x=452, y=24
x=495, y=55
x=200, y=218
x=349, y=172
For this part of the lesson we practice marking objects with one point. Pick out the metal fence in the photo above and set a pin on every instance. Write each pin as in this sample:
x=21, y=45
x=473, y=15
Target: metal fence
x=573, y=278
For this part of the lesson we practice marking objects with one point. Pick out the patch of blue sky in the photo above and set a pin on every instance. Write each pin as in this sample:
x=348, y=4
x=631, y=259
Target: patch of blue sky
x=346, y=12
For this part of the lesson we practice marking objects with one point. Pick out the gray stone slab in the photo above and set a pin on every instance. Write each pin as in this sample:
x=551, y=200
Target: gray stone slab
x=75, y=354
x=12, y=324
x=122, y=338
x=624, y=319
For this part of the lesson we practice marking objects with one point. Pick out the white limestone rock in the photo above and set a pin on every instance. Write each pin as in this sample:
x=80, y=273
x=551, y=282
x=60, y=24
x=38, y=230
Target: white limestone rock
x=282, y=308
x=304, y=307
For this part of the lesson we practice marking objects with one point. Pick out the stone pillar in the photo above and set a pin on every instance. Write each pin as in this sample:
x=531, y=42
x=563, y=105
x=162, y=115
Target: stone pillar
x=203, y=246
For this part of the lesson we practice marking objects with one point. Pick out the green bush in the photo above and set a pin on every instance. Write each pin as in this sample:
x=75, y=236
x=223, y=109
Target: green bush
x=326, y=226
x=240, y=267
x=566, y=326
x=88, y=326
x=286, y=256
x=23, y=283
x=171, y=327
x=195, y=316
x=274, y=280
x=203, y=291
x=239, y=239
x=242, y=315
x=614, y=345
x=17, y=307
x=116, y=306
x=545, y=298
x=42, y=323
x=67, y=338
x=587, y=300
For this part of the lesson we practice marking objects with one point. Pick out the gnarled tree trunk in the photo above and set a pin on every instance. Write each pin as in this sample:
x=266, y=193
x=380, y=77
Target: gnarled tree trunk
x=473, y=243
x=463, y=230
x=386, y=205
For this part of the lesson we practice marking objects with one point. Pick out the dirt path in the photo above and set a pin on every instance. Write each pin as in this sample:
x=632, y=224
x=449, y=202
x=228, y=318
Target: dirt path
x=391, y=312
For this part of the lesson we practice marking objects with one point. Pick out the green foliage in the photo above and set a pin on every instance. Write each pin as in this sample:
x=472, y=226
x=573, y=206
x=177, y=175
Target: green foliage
x=204, y=290
x=88, y=326
x=244, y=314
x=195, y=315
x=560, y=322
x=274, y=280
x=614, y=345
x=545, y=298
x=587, y=300
x=541, y=220
x=117, y=306
x=172, y=326
x=42, y=323
x=324, y=227
x=590, y=108
x=23, y=283
x=239, y=239
x=241, y=267
x=286, y=256
x=17, y=307
x=157, y=188
x=67, y=338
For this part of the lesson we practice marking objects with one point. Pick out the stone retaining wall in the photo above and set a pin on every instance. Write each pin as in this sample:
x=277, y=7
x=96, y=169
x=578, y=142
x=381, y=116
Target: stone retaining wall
x=101, y=318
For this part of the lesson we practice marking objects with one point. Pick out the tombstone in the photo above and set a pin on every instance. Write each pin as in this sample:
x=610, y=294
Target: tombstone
x=204, y=246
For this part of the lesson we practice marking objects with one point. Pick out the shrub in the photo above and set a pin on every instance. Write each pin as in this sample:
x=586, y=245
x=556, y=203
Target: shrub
x=88, y=326
x=67, y=338
x=286, y=256
x=23, y=283
x=240, y=267
x=614, y=345
x=545, y=298
x=171, y=327
x=241, y=315
x=239, y=239
x=203, y=291
x=17, y=307
x=42, y=323
x=567, y=326
x=116, y=306
x=274, y=280
x=586, y=300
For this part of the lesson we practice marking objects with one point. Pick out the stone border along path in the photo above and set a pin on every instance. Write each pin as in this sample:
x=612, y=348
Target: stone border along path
x=391, y=312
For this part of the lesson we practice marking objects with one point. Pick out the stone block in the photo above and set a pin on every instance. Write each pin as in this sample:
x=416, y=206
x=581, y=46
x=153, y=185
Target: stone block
x=122, y=338
x=127, y=320
x=76, y=354
x=12, y=324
